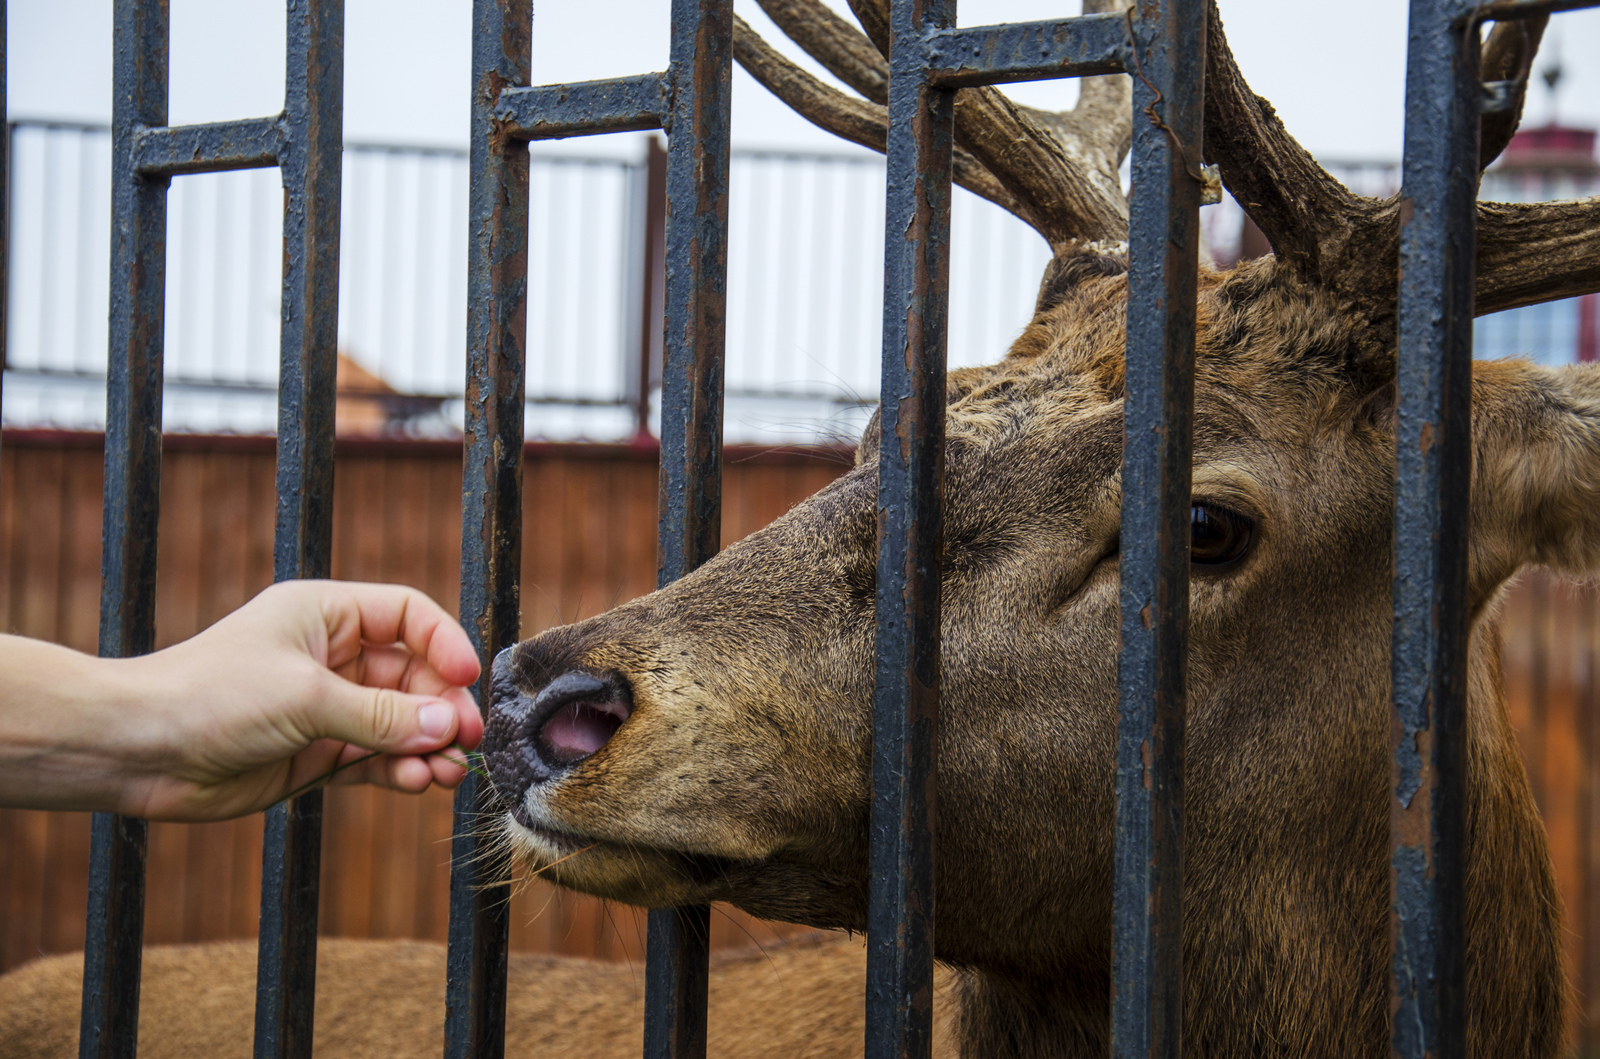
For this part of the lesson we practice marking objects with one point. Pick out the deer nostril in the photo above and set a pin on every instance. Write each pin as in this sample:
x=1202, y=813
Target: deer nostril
x=575, y=715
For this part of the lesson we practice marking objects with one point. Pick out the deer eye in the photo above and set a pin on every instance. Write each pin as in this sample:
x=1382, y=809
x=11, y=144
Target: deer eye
x=1218, y=536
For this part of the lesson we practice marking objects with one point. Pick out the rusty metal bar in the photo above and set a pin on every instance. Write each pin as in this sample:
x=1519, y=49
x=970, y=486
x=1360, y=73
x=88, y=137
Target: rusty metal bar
x=1432, y=484
x=585, y=108
x=5, y=209
x=491, y=505
x=1504, y=10
x=115, y=929
x=652, y=295
x=309, y=154
x=1158, y=412
x=253, y=143
x=910, y=514
x=690, y=527
x=1027, y=51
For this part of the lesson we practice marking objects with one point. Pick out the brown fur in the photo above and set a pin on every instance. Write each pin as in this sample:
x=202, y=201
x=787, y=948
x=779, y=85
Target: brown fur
x=385, y=1000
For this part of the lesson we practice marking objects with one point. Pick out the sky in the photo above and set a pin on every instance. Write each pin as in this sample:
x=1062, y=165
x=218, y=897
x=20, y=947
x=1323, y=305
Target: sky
x=1335, y=74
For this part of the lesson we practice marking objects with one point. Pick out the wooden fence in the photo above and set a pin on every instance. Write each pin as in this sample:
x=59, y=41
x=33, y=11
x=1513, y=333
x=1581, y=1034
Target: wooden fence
x=589, y=531
x=589, y=526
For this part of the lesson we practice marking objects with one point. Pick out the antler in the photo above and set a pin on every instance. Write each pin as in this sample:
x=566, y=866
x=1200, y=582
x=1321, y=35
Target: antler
x=1526, y=253
x=1057, y=171
x=849, y=118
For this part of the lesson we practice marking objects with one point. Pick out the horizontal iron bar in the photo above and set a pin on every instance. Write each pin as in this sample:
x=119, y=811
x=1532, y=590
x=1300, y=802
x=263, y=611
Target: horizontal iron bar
x=1027, y=51
x=253, y=143
x=1505, y=10
x=585, y=108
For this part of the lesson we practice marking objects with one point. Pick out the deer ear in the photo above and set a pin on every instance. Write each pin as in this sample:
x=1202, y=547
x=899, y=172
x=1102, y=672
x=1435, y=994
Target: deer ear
x=1536, y=470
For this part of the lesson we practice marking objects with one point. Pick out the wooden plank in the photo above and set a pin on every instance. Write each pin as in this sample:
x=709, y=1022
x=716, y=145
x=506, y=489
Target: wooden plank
x=244, y=855
x=83, y=483
x=8, y=531
x=261, y=472
x=26, y=838
x=543, y=514
x=39, y=545
x=65, y=871
x=183, y=504
x=225, y=536
x=168, y=887
x=431, y=867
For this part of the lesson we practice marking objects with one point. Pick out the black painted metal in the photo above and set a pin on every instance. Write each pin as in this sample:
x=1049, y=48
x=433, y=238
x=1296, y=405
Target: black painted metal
x=309, y=149
x=905, y=711
x=1163, y=237
x=491, y=503
x=621, y=104
x=111, y=966
x=677, y=965
x=5, y=204
x=253, y=143
x=690, y=513
x=1432, y=482
x=1028, y=51
x=652, y=284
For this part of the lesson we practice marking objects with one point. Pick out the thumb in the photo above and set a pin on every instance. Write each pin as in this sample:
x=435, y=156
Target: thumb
x=390, y=721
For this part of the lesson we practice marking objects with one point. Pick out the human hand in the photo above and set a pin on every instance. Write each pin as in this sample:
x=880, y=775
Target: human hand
x=307, y=677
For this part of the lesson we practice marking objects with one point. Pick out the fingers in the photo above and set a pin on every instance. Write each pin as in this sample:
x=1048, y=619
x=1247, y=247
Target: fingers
x=410, y=774
x=391, y=721
x=389, y=614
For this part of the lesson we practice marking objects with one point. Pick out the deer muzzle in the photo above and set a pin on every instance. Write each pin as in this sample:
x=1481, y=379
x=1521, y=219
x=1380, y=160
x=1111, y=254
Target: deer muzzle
x=533, y=738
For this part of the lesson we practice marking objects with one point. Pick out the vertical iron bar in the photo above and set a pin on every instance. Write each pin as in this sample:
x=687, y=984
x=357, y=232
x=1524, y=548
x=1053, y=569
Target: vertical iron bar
x=910, y=516
x=491, y=504
x=690, y=528
x=5, y=209
x=111, y=964
x=1158, y=409
x=651, y=294
x=1432, y=467
x=310, y=162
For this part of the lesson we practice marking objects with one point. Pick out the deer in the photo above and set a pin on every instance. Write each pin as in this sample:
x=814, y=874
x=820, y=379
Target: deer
x=711, y=741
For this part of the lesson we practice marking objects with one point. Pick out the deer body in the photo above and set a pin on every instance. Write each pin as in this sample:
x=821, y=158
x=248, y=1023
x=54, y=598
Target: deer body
x=385, y=1000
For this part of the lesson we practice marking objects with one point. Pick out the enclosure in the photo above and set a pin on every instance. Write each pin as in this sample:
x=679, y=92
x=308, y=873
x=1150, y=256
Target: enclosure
x=169, y=533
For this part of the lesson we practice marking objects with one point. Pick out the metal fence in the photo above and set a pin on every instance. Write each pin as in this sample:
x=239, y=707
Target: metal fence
x=805, y=283
x=929, y=60
x=804, y=287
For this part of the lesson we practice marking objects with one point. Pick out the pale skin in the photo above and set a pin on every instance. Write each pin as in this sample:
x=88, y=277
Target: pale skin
x=306, y=677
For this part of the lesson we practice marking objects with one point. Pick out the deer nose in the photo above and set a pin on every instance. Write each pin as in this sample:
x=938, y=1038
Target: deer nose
x=533, y=738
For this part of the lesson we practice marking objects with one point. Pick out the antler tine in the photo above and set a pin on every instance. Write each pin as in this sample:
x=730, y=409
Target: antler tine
x=1532, y=252
x=1536, y=251
x=842, y=49
x=1508, y=56
x=1063, y=167
x=1315, y=225
x=856, y=120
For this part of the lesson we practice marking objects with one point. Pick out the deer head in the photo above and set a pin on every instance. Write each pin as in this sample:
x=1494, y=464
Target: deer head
x=711, y=741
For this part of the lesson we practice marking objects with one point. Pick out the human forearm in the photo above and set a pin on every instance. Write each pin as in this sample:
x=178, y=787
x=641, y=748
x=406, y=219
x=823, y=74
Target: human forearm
x=307, y=678
x=65, y=740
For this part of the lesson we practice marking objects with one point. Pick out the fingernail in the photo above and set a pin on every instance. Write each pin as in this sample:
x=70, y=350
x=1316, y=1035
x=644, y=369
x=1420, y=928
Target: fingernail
x=435, y=719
